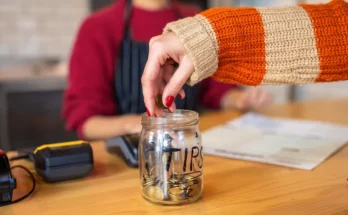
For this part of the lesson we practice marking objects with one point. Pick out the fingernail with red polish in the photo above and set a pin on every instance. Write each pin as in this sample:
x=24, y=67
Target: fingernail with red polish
x=155, y=115
x=148, y=112
x=179, y=96
x=169, y=101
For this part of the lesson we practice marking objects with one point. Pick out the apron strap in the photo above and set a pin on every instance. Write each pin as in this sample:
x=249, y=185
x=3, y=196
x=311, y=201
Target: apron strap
x=127, y=17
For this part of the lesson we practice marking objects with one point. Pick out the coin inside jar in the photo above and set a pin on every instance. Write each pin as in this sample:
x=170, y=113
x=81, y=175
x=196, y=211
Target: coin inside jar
x=176, y=177
x=152, y=171
x=176, y=193
x=174, y=187
x=155, y=192
x=193, y=175
x=195, y=188
x=149, y=181
x=184, y=185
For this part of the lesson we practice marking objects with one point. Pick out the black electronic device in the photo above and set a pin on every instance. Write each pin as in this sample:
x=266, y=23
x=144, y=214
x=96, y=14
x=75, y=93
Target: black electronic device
x=125, y=147
x=7, y=181
x=63, y=161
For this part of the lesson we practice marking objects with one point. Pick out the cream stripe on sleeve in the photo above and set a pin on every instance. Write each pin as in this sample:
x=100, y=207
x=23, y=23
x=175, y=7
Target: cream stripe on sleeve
x=290, y=46
x=199, y=39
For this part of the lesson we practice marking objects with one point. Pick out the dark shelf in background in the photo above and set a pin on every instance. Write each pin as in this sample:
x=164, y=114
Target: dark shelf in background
x=34, y=118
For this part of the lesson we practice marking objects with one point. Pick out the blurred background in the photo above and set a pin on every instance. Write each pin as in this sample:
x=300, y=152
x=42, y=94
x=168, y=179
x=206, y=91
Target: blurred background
x=35, y=41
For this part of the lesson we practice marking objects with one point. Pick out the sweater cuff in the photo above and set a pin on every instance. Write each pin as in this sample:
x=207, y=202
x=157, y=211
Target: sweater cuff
x=199, y=40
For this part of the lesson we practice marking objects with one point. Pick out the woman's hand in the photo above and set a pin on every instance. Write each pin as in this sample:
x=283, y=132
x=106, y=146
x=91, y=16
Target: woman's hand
x=254, y=98
x=133, y=124
x=105, y=127
x=160, y=74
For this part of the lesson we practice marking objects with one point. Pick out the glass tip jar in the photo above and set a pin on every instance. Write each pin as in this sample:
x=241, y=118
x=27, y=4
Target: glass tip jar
x=171, y=158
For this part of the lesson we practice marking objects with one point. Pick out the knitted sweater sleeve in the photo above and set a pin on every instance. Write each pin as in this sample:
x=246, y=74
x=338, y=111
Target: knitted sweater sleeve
x=254, y=46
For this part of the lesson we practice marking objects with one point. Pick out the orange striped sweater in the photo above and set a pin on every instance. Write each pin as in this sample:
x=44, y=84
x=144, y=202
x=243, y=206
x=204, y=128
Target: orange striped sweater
x=253, y=46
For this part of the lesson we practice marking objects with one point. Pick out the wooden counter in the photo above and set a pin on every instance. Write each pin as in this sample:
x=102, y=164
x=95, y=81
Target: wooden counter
x=230, y=186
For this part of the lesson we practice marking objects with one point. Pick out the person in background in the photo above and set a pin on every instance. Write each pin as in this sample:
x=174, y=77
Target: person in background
x=104, y=96
x=250, y=46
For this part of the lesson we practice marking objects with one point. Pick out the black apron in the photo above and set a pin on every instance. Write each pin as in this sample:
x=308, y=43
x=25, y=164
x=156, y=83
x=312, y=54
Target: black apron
x=129, y=68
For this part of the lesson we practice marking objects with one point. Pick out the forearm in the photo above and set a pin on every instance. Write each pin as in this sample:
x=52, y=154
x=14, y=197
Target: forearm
x=254, y=46
x=104, y=127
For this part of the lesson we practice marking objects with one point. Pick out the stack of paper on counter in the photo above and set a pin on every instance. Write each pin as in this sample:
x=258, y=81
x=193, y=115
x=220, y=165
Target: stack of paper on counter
x=293, y=143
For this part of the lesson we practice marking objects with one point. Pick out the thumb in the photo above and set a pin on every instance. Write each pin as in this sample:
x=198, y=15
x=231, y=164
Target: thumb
x=178, y=80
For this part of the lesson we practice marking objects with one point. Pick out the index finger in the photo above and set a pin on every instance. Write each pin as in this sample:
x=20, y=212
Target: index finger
x=149, y=80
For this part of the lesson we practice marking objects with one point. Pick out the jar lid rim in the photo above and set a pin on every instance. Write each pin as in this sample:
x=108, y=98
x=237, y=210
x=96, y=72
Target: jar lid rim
x=178, y=117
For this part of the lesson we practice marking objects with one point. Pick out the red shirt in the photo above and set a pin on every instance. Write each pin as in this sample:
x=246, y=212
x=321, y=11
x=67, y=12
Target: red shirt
x=90, y=89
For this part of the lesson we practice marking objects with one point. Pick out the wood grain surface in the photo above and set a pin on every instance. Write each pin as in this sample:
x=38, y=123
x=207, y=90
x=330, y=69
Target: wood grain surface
x=230, y=186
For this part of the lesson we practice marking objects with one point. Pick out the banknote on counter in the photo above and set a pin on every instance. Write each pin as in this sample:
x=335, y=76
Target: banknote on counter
x=293, y=143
